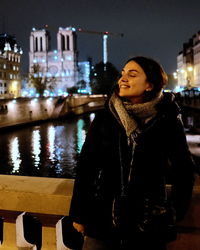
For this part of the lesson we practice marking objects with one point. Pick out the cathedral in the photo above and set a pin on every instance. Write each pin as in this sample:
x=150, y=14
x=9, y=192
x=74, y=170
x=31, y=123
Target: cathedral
x=62, y=63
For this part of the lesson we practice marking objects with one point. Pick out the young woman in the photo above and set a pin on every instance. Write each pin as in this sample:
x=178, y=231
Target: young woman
x=134, y=147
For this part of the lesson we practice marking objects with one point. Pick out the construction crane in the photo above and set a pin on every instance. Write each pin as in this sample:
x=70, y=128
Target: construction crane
x=105, y=35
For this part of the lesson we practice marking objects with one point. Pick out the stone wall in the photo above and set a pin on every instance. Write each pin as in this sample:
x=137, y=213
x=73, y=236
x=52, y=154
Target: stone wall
x=28, y=110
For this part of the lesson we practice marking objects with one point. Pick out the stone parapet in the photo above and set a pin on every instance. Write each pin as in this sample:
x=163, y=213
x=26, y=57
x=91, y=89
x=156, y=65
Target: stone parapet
x=32, y=209
x=45, y=199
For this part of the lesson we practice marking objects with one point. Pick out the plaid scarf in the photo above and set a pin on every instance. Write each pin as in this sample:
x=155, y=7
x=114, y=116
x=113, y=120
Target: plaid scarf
x=132, y=115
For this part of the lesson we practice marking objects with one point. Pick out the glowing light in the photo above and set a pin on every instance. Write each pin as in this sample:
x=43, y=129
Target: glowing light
x=34, y=101
x=190, y=68
x=69, y=58
x=46, y=93
x=49, y=100
x=55, y=57
x=178, y=89
x=31, y=93
x=15, y=154
x=81, y=134
x=36, y=138
x=51, y=144
x=175, y=75
x=24, y=93
x=92, y=116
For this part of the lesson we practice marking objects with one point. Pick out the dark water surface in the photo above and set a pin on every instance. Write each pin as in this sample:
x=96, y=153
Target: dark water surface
x=51, y=148
x=46, y=150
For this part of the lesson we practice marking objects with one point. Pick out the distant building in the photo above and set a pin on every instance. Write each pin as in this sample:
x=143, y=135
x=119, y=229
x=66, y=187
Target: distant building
x=61, y=63
x=188, y=63
x=10, y=57
x=84, y=75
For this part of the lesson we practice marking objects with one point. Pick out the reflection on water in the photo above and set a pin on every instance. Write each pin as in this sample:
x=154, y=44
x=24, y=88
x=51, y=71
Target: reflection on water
x=36, y=147
x=81, y=133
x=15, y=154
x=50, y=149
x=51, y=142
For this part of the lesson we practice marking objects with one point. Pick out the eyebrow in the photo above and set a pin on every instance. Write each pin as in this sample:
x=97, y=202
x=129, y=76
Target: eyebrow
x=132, y=70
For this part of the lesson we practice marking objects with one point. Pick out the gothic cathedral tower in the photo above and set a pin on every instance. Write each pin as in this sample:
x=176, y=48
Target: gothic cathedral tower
x=60, y=64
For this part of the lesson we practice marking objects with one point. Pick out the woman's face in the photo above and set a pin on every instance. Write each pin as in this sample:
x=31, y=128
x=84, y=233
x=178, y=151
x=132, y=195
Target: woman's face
x=133, y=83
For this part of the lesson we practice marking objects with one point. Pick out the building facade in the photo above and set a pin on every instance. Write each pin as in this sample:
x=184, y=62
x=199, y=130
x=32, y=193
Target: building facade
x=61, y=63
x=10, y=58
x=188, y=63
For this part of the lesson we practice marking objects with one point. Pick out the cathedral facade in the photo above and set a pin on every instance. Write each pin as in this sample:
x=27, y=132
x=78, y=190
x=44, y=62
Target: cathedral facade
x=61, y=63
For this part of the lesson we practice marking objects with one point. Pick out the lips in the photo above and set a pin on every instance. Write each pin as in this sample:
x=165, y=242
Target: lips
x=124, y=86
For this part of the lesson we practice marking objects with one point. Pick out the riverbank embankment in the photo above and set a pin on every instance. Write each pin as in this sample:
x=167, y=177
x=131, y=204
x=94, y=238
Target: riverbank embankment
x=21, y=111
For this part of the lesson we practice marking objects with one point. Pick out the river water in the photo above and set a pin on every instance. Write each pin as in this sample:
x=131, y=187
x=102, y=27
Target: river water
x=51, y=148
x=47, y=150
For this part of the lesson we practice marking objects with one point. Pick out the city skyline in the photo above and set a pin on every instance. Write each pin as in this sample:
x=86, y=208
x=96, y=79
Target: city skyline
x=150, y=28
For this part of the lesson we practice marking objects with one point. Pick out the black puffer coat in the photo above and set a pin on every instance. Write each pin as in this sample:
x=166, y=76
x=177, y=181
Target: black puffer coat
x=161, y=156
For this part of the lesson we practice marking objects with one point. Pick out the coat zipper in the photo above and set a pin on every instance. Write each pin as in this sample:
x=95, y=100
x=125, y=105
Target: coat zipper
x=123, y=193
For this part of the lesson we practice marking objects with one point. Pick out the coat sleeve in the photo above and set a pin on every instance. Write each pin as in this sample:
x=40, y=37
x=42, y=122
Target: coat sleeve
x=182, y=168
x=86, y=167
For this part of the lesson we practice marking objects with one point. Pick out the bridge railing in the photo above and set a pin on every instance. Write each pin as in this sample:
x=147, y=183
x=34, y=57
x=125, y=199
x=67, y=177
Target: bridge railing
x=30, y=208
x=33, y=209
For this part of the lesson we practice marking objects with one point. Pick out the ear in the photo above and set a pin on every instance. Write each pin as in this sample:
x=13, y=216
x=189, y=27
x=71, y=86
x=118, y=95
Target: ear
x=149, y=87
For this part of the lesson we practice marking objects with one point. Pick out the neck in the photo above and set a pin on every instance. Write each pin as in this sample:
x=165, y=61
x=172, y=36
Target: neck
x=136, y=100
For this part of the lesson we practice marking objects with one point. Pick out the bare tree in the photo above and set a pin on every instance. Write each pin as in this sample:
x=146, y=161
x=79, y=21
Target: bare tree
x=39, y=81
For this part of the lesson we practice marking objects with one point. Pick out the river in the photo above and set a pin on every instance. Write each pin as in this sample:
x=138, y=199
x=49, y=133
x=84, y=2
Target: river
x=51, y=148
x=46, y=150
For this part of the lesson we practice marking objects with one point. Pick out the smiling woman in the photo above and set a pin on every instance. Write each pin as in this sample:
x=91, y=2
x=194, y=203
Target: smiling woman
x=133, y=148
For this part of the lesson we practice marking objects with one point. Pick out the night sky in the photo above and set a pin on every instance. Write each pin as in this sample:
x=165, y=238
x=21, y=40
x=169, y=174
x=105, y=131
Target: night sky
x=151, y=28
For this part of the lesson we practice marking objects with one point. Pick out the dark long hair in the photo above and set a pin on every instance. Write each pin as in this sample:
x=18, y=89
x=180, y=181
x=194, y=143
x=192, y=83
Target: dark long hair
x=154, y=73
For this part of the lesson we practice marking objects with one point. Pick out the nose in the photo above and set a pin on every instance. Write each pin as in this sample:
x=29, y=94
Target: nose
x=124, y=78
